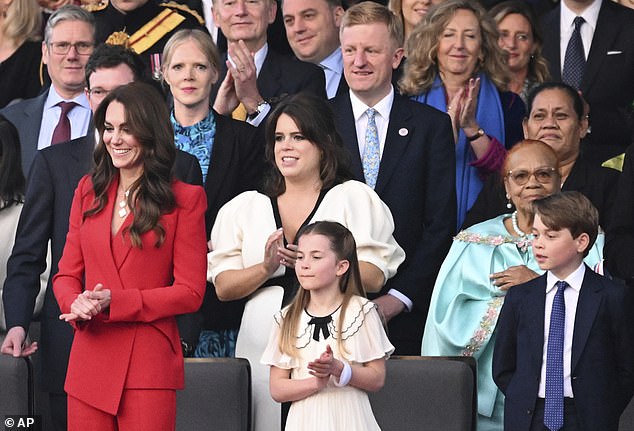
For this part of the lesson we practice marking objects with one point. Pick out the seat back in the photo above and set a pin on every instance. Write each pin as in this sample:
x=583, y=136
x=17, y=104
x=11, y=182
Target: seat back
x=627, y=418
x=16, y=386
x=217, y=395
x=427, y=393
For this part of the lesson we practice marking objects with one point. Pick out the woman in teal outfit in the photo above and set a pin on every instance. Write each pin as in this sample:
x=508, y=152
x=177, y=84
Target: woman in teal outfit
x=483, y=263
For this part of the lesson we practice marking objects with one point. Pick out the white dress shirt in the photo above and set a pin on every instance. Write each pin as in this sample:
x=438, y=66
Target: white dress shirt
x=382, y=119
x=571, y=297
x=566, y=26
x=79, y=117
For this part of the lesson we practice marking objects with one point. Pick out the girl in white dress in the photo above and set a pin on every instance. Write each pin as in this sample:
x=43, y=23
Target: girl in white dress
x=328, y=347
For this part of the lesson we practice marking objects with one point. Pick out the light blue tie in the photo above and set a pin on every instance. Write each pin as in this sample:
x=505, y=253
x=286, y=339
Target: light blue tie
x=372, y=151
x=554, y=404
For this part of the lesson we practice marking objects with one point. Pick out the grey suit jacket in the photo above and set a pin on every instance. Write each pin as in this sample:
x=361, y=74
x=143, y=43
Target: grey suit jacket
x=26, y=116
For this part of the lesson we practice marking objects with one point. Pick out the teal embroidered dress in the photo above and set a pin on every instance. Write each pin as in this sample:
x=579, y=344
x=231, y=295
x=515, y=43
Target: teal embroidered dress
x=465, y=304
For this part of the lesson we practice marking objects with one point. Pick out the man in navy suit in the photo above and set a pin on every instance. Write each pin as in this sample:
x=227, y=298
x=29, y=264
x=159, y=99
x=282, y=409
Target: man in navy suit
x=256, y=76
x=416, y=173
x=564, y=351
x=49, y=193
x=68, y=42
x=608, y=75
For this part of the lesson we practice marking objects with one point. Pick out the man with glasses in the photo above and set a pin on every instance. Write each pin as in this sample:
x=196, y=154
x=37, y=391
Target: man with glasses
x=49, y=193
x=62, y=112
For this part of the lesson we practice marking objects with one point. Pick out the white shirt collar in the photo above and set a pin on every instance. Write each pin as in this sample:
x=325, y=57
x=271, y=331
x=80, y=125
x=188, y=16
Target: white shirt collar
x=574, y=280
x=590, y=14
x=383, y=106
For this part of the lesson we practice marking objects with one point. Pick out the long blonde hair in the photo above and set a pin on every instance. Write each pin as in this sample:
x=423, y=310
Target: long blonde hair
x=421, y=66
x=23, y=21
x=345, y=248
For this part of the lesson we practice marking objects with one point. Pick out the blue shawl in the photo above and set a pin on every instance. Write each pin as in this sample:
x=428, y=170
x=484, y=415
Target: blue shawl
x=490, y=117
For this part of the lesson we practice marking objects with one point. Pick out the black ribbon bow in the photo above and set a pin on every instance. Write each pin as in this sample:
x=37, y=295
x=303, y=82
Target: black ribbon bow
x=321, y=324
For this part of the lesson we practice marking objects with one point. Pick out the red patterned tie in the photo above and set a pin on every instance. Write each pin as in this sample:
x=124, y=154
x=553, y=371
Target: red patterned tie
x=62, y=130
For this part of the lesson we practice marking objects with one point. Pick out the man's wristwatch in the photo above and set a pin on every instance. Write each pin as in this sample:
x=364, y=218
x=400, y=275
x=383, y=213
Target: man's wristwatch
x=258, y=110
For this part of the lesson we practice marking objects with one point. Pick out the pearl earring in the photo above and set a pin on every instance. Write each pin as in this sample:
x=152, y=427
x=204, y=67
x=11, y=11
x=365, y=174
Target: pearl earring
x=509, y=204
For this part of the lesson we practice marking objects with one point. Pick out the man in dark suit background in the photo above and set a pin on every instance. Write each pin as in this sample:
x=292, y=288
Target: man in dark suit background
x=50, y=187
x=607, y=83
x=312, y=28
x=69, y=38
x=257, y=75
x=416, y=170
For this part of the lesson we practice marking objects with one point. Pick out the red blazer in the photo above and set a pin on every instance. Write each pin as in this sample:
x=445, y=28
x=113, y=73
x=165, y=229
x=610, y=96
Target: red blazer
x=135, y=344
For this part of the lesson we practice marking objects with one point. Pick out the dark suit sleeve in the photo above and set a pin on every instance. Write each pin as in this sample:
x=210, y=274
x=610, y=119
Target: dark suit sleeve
x=514, y=113
x=620, y=231
x=187, y=168
x=490, y=203
x=439, y=217
x=624, y=326
x=504, y=360
x=28, y=258
x=314, y=82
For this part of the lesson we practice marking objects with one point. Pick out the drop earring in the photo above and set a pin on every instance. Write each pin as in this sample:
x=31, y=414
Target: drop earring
x=509, y=204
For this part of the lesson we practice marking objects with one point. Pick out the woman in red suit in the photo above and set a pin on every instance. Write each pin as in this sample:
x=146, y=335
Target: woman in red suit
x=135, y=257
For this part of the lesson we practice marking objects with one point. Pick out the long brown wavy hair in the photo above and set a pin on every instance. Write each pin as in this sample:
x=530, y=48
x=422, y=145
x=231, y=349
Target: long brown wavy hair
x=345, y=248
x=421, y=66
x=151, y=195
x=538, y=65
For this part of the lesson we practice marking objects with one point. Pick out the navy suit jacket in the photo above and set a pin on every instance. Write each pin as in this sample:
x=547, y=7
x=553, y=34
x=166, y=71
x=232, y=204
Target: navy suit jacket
x=55, y=173
x=608, y=80
x=602, y=363
x=417, y=182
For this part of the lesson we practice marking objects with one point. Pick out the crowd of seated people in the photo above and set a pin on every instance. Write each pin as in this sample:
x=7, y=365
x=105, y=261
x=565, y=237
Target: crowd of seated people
x=406, y=121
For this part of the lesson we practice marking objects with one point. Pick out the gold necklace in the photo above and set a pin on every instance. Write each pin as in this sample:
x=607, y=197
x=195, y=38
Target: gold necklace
x=123, y=211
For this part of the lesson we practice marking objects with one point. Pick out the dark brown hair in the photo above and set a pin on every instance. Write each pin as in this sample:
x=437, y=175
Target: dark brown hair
x=150, y=196
x=11, y=176
x=316, y=121
x=572, y=211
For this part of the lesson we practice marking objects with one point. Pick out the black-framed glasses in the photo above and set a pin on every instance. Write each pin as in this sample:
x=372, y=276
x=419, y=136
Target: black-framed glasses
x=62, y=48
x=521, y=176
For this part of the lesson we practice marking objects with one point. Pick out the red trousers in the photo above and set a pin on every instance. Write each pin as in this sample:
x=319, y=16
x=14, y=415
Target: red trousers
x=139, y=410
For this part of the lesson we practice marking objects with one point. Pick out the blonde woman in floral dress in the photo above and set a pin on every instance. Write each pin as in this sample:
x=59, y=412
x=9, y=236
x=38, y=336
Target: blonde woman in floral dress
x=483, y=263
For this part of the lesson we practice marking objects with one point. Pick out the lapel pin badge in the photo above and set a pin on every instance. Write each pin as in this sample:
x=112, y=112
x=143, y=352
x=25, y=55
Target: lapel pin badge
x=403, y=131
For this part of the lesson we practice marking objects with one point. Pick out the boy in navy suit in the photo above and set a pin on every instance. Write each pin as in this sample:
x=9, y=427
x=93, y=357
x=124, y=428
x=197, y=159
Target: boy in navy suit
x=564, y=349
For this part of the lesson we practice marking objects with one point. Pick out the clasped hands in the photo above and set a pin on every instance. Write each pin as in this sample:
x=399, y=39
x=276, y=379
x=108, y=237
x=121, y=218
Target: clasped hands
x=240, y=83
x=324, y=367
x=276, y=253
x=88, y=304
